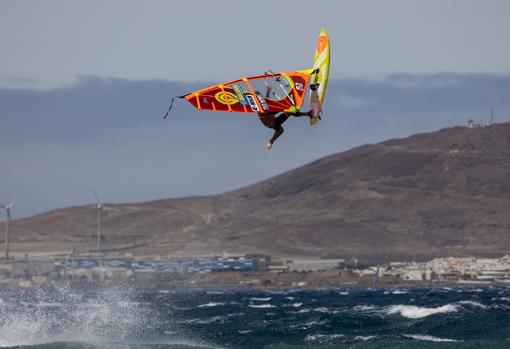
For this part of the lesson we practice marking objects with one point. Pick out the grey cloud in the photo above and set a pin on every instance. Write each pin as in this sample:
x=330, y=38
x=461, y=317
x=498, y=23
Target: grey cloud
x=427, y=93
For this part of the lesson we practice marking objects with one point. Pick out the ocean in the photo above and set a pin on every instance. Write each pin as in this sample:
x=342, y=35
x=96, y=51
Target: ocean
x=405, y=317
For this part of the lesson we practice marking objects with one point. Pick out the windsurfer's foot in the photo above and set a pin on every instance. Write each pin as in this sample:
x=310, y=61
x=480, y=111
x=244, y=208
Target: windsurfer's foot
x=269, y=145
x=314, y=87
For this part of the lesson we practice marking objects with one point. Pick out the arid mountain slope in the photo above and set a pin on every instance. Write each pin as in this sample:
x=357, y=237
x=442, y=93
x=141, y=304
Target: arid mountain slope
x=436, y=194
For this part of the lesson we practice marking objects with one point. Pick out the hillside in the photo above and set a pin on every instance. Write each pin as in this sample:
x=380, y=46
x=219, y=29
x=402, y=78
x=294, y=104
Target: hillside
x=435, y=194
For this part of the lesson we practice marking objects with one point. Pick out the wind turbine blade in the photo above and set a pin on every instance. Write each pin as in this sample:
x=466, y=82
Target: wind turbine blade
x=9, y=214
x=95, y=195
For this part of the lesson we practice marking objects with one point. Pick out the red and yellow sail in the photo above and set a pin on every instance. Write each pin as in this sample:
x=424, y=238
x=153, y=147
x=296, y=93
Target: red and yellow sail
x=268, y=93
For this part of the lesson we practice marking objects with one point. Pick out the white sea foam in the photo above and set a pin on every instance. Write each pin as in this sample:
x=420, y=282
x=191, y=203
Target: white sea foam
x=261, y=306
x=294, y=305
x=399, y=292
x=206, y=321
x=245, y=331
x=210, y=305
x=473, y=304
x=321, y=338
x=261, y=299
x=415, y=312
x=429, y=338
x=65, y=315
x=326, y=310
x=365, y=307
x=315, y=323
x=290, y=298
x=364, y=338
x=343, y=293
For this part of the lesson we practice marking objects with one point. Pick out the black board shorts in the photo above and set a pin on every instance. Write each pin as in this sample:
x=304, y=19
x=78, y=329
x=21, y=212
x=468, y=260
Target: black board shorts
x=279, y=120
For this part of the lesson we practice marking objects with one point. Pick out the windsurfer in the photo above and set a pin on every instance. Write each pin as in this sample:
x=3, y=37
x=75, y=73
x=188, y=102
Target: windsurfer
x=271, y=120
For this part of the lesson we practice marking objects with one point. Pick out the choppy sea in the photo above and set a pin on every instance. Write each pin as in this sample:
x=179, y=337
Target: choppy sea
x=120, y=318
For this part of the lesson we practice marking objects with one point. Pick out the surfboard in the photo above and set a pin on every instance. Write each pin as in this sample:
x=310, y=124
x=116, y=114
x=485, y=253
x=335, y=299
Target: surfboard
x=321, y=66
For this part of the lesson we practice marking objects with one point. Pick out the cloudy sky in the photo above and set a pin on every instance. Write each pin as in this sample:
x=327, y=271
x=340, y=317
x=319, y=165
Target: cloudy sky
x=83, y=85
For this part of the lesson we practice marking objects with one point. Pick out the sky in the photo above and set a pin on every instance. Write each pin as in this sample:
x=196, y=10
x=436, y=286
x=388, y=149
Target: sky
x=83, y=86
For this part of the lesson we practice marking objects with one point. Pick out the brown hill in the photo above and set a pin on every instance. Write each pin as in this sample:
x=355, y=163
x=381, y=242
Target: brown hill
x=436, y=194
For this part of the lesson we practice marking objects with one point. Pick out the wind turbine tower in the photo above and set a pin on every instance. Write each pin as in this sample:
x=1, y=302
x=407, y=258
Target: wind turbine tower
x=7, y=209
x=99, y=208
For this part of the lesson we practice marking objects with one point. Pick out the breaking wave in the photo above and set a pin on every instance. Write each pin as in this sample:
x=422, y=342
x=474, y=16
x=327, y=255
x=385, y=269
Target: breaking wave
x=415, y=312
x=323, y=338
x=64, y=316
x=261, y=306
x=428, y=338
x=210, y=304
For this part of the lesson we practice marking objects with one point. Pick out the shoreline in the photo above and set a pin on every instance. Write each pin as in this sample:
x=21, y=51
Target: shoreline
x=189, y=286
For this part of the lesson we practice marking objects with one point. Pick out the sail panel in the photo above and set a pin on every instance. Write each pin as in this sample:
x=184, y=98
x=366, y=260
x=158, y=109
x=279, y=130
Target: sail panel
x=269, y=93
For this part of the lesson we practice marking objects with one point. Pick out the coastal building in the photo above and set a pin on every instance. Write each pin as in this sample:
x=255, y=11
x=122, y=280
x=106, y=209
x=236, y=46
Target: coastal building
x=278, y=266
x=315, y=265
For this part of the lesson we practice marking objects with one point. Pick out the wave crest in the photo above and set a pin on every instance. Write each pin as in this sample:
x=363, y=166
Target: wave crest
x=415, y=312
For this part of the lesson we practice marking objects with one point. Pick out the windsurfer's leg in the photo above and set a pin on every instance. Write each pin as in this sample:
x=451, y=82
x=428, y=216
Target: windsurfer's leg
x=280, y=119
x=277, y=133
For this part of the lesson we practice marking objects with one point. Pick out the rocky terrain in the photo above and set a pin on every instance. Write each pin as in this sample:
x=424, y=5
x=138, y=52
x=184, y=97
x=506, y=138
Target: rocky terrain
x=445, y=193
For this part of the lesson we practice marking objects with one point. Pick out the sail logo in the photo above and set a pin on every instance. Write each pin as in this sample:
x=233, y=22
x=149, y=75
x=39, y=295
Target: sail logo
x=262, y=101
x=252, y=102
x=322, y=43
x=226, y=97
x=239, y=93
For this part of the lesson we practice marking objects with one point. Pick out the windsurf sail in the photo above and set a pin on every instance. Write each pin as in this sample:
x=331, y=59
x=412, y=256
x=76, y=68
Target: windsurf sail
x=267, y=93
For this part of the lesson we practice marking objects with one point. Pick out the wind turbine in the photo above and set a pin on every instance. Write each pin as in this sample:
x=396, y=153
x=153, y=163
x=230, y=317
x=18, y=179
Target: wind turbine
x=7, y=209
x=99, y=208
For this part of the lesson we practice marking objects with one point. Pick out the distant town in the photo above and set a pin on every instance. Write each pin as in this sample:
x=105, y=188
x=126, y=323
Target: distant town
x=250, y=270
